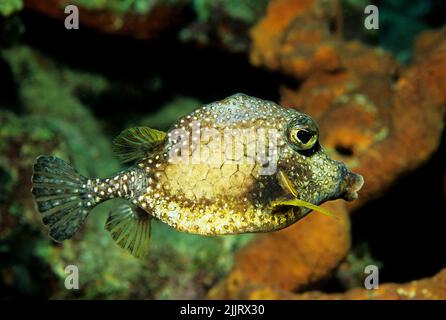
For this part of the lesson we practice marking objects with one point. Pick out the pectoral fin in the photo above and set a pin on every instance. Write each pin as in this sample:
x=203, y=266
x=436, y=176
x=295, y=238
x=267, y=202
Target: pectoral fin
x=301, y=203
x=135, y=143
x=130, y=227
x=287, y=185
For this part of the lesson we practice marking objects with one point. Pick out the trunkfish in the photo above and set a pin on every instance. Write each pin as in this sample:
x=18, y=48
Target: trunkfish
x=234, y=166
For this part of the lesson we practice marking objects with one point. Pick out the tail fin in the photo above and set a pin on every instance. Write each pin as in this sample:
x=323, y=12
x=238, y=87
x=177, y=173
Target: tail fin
x=62, y=196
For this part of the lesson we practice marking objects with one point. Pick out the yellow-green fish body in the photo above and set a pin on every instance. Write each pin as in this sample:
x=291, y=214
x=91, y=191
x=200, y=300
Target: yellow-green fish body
x=238, y=165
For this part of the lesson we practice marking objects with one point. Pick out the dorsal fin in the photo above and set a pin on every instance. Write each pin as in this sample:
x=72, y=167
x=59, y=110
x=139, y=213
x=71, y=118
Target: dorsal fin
x=135, y=143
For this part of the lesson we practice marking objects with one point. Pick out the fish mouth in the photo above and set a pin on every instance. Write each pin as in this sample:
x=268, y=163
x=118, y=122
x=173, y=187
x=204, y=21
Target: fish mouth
x=350, y=185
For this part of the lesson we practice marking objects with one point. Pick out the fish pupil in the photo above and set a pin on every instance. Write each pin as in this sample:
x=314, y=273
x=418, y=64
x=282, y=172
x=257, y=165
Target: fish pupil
x=304, y=136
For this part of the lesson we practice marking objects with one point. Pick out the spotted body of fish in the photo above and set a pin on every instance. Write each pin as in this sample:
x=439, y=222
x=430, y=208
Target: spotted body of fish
x=234, y=166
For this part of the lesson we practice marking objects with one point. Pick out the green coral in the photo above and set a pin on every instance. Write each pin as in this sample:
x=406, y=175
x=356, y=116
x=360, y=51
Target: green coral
x=21, y=139
x=8, y=7
x=46, y=92
x=54, y=120
x=207, y=258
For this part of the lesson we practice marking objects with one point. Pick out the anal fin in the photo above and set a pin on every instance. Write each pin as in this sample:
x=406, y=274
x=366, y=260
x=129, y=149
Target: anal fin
x=130, y=227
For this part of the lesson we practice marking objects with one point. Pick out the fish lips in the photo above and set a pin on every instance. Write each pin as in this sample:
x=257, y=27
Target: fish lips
x=350, y=184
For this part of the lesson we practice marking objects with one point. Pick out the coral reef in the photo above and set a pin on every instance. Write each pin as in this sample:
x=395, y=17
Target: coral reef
x=374, y=96
x=293, y=258
x=425, y=289
x=49, y=96
x=377, y=135
x=224, y=23
x=303, y=37
x=143, y=19
x=382, y=119
x=49, y=129
x=288, y=23
x=381, y=112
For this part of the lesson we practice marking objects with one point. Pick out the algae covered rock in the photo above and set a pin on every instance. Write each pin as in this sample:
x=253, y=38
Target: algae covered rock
x=291, y=259
x=432, y=288
x=142, y=19
x=224, y=23
x=381, y=117
x=50, y=118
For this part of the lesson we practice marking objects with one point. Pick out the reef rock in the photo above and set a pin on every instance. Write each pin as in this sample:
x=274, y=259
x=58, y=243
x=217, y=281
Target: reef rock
x=384, y=122
x=295, y=37
x=48, y=117
x=383, y=119
x=293, y=258
x=143, y=21
x=425, y=289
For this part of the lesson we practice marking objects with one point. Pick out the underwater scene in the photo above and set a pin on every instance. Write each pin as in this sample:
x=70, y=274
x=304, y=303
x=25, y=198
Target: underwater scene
x=223, y=149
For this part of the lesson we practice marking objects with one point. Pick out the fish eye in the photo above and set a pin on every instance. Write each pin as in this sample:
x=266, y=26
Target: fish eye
x=303, y=139
x=302, y=134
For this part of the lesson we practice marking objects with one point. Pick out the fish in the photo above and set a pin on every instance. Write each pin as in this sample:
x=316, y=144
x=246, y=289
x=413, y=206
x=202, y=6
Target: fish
x=238, y=165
